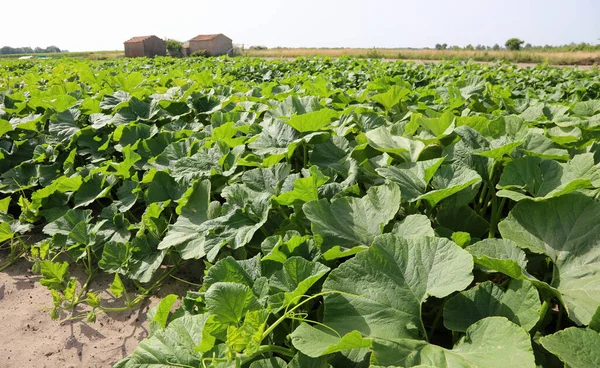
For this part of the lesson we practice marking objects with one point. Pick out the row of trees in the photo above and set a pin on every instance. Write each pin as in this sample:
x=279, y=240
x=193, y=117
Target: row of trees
x=6, y=50
x=516, y=44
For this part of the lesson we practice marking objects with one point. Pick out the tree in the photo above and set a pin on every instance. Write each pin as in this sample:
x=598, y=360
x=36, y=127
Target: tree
x=5, y=50
x=496, y=47
x=174, y=47
x=514, y=44
x=469, y=47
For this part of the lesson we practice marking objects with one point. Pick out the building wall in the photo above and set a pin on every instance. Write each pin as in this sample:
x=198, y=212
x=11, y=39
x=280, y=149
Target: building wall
x=150, y=47
x=199, y=45
x=134, y=49
x=221, y=45
x=154, y=46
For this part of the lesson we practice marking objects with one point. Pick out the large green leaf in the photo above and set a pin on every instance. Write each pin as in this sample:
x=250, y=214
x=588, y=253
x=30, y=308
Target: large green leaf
x=543, y=178
x=576, y=347
x=114, y=257
x=316, y=342
x=61, y=184
x=66, y=223
x=391, y=97
x=312, y=121
x=538, y=145
x=449, y=180
x=94, y=187
x=587, y=108
x=268, y=179
x=519, y=303
x=296, y=277
x=414, y=226
x=186, y=233
x=566, y=229
x=491, y=342
x=381, y=290
x=243, y=272
x=54, y=275
x=439, y=126
x=500, y=255
x=204, y=227
x=229, y=301
x=295, y=105
x=412, y=177
x=163, y=187
x=145, y=260
x=171, y=347
x=383, y=140
x=278, y=138
x=305, y=189
x=343, y=221
x=64, y=125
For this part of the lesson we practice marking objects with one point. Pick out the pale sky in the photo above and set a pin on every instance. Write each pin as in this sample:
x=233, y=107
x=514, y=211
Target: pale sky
x=79, y=25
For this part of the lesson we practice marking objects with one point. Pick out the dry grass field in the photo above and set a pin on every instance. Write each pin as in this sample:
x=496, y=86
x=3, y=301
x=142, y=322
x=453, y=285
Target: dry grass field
x=523, y=56
x=557, y=58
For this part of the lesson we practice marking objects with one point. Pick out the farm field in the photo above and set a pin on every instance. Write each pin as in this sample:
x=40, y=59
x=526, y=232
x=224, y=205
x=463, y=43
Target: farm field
x=308, y=213
x=522, y=56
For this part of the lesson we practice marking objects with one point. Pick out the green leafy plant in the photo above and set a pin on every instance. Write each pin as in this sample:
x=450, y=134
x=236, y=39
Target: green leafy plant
x=343, y=213
x=200, y=53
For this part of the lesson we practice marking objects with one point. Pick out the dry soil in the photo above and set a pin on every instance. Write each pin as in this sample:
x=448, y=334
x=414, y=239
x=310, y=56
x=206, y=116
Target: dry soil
x=29, y=338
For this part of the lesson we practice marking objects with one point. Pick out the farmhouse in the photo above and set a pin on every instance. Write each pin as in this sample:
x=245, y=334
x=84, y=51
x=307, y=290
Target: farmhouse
x=149, y=46
x=214, y=44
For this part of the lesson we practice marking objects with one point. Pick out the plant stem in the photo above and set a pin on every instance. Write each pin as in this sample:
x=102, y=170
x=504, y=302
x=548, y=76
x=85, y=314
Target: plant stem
x=560, y=317
x=135, y=302
x=482, y=197
x=436, y=322
x=289, y=313
x=275, y=349
x=543, y=312
x=305, y=145
x=83, y=290
x=283, y=213
x=269, y=349
x=143, y=295
x=486, y=204
x=12, y=261
x=496, y=213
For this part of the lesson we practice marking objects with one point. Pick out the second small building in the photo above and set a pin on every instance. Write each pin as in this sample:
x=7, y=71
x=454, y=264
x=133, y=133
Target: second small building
x=148, y=46
x=214, y=44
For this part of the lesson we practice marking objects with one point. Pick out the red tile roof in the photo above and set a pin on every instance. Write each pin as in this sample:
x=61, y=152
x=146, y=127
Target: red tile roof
x=207, y=37
x=138, y=39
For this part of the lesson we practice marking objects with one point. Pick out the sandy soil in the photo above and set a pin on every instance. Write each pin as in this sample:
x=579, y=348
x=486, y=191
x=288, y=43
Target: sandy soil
x=29, y=338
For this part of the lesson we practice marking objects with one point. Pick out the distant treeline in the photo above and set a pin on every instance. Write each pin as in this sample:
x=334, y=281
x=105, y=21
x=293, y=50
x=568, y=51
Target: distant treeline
x=582, y=46
x=7, y=50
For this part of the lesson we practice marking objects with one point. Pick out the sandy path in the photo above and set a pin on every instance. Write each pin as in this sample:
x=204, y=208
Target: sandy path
x=29, y=338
